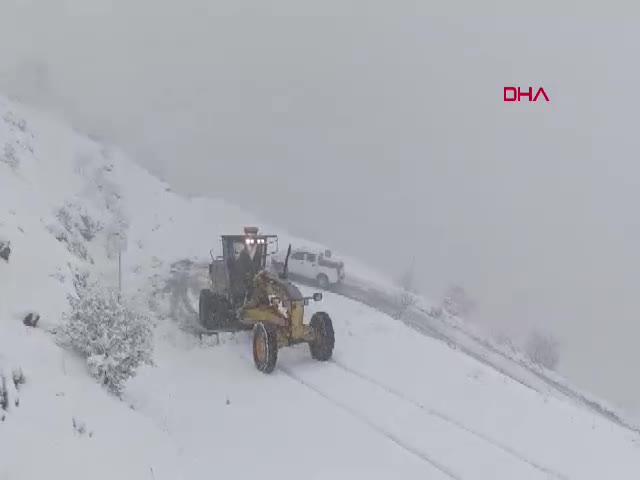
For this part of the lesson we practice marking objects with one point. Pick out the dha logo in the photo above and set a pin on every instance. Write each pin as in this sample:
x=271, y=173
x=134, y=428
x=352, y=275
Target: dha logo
x=514, y=94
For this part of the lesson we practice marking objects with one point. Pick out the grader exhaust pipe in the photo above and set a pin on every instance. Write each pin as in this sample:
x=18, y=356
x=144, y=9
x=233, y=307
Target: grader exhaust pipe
x=285, y=270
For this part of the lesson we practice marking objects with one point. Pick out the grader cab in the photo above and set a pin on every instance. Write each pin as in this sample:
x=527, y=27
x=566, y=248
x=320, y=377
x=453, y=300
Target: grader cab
x=244, y=295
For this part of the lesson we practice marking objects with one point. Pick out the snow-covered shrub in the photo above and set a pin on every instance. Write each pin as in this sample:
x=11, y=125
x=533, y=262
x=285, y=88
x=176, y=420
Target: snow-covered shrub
x=11, y=119
x=4, y=392
x=72, y=242
x=79, y=277
x=18, y=140
x=5, y=249
x=75, y=218
x=110, y=199
x=406, y=297
x=457, y=302
x=80, y=427
x=18, y=378
x=73, y=226
x=543, y=349
x=9, y=386
x=504, y=341
x=114, y=338
x=9, y=156
x=404, y=302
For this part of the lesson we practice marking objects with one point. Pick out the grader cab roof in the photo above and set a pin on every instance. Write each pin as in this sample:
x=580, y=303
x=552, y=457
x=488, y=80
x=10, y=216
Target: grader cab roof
x=249, y=233
x=244, y=237
x=266, y=244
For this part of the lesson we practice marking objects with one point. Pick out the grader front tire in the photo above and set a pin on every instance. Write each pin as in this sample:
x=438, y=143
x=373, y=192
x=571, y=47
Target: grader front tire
x=322, y=347
x=265, y=347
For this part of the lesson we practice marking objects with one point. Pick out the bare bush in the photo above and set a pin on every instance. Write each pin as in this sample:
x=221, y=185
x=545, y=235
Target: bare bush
x=543, y=349
x=5, y=249
x=4, y=393
x=457, y=302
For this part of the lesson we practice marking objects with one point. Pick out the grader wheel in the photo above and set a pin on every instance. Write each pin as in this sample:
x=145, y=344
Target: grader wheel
x=213, y=310
x=322, y=347
x=265, y=347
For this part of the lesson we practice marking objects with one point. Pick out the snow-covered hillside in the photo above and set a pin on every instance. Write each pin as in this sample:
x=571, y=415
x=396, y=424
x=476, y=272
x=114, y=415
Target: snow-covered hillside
x=392, y=403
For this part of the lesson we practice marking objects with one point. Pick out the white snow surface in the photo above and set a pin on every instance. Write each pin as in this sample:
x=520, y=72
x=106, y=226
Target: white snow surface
x=391, y=404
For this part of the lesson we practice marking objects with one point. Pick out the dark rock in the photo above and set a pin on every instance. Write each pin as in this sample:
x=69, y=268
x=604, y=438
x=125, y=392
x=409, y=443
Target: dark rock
x=5, y=250
x=31, y=320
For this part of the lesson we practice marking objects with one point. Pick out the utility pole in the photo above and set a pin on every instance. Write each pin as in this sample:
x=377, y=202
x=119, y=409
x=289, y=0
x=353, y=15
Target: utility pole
x=119, y=273
x=119, y=242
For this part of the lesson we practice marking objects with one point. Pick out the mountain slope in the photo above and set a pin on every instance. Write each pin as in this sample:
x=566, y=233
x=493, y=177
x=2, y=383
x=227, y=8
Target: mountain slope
x=391, y=403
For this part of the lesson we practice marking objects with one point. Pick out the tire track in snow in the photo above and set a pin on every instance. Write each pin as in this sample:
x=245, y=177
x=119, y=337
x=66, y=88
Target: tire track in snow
x=447, y=419
x=423, y=322
x=183, y=281
x=180, y=282
x=380, y=430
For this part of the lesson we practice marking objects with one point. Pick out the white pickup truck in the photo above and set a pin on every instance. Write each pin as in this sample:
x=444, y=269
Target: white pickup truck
x=308, y=264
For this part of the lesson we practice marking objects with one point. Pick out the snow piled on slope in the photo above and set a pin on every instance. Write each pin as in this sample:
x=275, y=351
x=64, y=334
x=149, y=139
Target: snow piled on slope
x=391, y=404
x=59, y=421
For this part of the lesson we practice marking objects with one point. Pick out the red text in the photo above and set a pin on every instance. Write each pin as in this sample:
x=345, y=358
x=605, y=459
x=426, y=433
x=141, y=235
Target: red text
x=514, y=94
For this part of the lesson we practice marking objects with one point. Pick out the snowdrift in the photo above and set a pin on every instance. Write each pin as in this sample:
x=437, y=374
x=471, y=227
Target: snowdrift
x=392, y=403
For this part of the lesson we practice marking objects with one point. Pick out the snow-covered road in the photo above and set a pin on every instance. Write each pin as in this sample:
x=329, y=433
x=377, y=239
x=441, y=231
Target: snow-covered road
x=383, y=406
x=188, y=277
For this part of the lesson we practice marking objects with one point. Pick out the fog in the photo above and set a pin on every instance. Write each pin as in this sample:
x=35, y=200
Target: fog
x=379, y=128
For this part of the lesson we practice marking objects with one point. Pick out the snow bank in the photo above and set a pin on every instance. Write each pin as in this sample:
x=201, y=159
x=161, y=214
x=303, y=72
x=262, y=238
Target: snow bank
x=59, y=421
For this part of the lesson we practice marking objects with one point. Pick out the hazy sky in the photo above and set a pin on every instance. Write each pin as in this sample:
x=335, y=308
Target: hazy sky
x=380, y=129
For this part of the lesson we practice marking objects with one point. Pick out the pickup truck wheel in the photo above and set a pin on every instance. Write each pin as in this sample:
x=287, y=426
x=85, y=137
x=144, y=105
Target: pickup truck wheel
x=323, y=280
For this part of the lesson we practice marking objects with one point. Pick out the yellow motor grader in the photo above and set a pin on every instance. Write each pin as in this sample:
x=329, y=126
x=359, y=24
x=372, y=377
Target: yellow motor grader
x=244, y=295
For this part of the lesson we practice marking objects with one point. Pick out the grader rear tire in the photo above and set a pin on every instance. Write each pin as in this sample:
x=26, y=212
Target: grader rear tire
x=265, y=347
x=322, y=347
x=214, y=312
x=205, y=308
